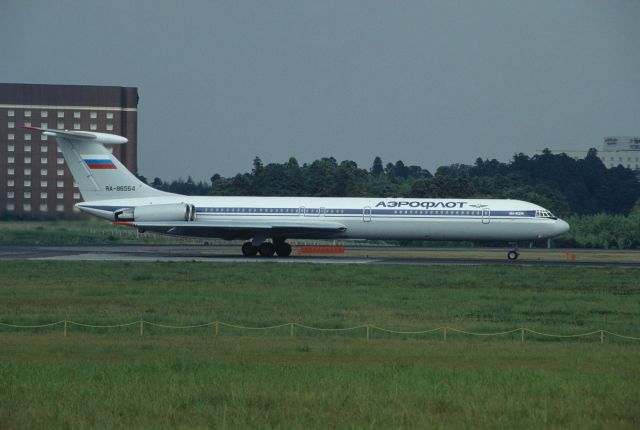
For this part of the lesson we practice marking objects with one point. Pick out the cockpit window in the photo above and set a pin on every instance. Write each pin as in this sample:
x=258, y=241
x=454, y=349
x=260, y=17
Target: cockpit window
x=543, y=213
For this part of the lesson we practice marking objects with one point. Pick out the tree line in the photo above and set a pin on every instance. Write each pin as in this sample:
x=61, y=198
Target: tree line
x=557, y=182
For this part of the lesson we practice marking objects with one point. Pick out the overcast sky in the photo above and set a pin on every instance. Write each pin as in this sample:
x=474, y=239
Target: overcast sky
x=427, y=82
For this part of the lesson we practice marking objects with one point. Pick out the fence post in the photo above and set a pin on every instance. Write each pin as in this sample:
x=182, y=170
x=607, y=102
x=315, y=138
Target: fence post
x=367, y=333
x=291, y=329
x=65, y=328
x=217, y=328
x=522, y=335
x=601, y=337
x=141, y=327
x=445, y=333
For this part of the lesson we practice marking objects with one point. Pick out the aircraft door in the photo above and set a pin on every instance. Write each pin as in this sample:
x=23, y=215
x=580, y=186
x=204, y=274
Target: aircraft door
x=486, y=216
x=311, y=212
x=366, y=214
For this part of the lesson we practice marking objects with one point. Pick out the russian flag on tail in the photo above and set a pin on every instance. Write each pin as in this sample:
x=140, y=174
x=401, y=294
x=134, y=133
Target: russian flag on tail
x=98, y=162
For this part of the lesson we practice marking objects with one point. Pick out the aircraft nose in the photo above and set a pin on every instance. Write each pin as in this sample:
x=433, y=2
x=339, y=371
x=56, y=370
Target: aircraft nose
x=561, y=227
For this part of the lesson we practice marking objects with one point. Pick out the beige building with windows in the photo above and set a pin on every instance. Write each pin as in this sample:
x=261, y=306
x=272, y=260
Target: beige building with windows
x=34, y=180
x=615, y=151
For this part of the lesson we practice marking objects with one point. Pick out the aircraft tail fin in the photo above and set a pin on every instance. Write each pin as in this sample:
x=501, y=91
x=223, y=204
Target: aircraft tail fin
x=99, y=175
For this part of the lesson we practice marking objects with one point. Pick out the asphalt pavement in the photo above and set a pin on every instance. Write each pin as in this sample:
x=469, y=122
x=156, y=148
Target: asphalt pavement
x=352, y=255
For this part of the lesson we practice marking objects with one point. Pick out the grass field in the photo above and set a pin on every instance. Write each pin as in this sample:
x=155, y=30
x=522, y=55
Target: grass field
x=105, y=378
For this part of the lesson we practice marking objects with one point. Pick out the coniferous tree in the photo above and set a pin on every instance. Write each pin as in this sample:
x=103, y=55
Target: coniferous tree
x=377, y=169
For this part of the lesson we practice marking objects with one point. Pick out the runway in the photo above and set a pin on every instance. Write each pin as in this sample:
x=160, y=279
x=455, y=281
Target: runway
x=352, y=255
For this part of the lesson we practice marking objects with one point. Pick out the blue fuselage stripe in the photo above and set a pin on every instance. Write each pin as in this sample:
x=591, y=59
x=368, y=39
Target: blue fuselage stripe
x=363, y=212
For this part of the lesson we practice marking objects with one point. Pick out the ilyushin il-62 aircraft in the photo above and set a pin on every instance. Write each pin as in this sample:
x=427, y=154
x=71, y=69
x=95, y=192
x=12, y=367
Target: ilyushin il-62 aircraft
x=111, y=192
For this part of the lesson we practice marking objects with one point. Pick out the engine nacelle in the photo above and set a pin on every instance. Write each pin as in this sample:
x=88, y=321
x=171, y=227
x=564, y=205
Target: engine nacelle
x=161, y=212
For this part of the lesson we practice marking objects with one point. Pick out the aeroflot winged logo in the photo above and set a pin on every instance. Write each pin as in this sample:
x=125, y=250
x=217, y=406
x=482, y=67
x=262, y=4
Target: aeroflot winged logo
x=98, y=162
x=419, y=203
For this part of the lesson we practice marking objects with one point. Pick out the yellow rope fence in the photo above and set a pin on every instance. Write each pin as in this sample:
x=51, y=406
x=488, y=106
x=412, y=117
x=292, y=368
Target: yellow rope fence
x=367, y=327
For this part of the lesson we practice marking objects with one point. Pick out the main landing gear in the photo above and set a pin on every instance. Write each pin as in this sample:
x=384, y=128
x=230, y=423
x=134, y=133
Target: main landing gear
x=513, y=254
x=267, y=249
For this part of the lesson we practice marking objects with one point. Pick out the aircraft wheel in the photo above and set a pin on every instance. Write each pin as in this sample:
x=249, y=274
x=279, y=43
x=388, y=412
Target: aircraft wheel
x=283, y=249
x=267, y=249
x=512, y=255
x=248, y=250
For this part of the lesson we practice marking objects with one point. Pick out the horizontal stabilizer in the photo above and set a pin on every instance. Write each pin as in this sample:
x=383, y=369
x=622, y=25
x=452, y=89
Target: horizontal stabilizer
x=110, y=139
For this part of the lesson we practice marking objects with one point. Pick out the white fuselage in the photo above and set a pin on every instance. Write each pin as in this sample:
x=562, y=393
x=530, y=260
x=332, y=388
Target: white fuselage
x=369, y=218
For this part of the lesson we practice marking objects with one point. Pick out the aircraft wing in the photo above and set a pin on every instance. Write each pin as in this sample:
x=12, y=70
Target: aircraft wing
x=238, y=229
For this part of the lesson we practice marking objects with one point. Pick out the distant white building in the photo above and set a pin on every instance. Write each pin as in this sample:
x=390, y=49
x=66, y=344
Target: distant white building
x=619, y=150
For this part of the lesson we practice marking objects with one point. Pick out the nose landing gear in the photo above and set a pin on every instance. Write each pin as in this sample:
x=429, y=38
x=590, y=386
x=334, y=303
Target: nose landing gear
x=513, y=254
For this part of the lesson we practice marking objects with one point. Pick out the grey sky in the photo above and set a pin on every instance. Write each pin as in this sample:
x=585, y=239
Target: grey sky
x=427, y=82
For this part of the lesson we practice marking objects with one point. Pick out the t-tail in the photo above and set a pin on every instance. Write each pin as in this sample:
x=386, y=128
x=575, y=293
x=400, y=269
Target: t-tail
x=97, y=172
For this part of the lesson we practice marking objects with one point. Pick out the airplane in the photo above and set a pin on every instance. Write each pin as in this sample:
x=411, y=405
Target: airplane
x=112, y=192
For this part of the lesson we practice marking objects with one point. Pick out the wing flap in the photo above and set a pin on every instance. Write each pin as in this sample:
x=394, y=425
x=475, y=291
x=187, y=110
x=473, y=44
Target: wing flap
x=235, y=229
x=248, y=225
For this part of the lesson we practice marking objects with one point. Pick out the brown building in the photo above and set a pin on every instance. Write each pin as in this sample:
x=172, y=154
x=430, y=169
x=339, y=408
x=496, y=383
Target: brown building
x=34, y=178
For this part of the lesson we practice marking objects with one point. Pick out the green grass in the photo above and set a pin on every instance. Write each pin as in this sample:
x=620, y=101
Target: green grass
x=105, y=378
x=177, y=381
x=476, y=298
